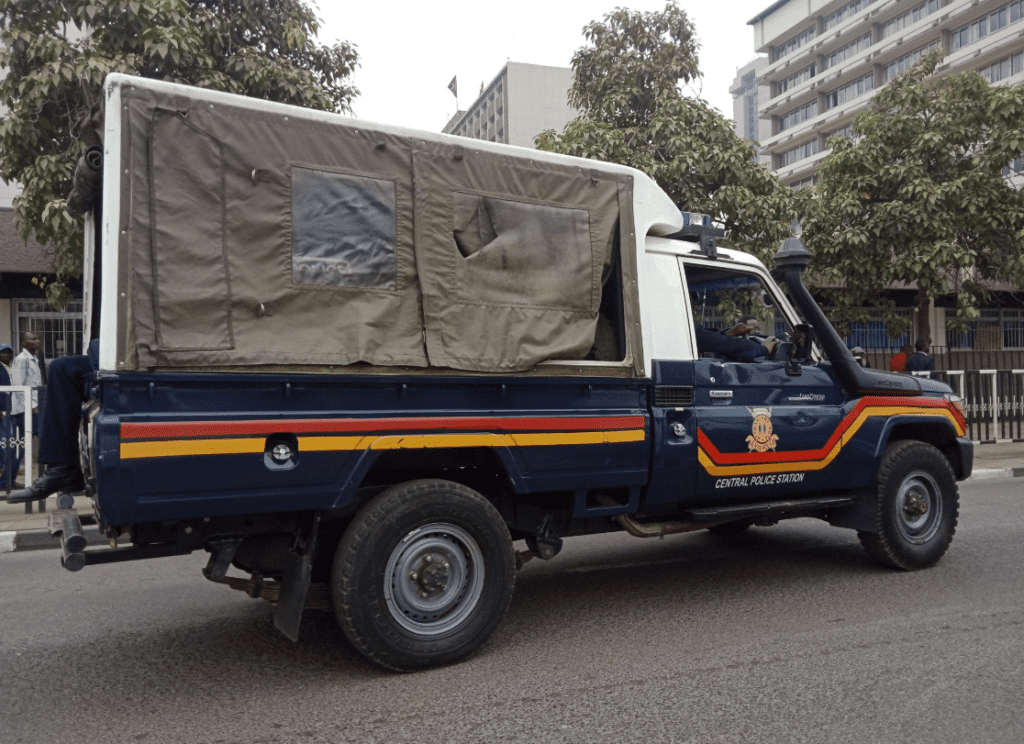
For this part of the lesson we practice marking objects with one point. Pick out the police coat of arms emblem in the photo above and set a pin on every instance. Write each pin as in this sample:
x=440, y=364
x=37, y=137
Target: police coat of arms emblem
x=761, y=438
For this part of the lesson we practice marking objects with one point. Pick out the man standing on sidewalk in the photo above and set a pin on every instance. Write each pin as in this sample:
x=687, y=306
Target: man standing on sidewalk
x=24, y=371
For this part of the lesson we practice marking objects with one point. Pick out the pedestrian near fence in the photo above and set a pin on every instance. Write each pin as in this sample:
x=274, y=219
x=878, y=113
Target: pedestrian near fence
x=24, y=371
x=920, y=361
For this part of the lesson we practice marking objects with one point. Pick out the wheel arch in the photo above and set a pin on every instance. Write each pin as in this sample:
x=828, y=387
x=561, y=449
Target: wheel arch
x=474, y=467
x=936, y=431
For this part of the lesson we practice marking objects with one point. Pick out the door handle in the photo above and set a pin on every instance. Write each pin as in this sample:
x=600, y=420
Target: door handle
x=720, y=394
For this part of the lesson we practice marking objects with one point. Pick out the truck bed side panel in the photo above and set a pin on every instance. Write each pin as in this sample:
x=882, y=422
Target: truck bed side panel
x=176, y=446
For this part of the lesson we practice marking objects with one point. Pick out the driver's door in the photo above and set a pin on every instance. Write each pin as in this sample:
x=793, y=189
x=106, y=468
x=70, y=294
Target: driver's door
x=765, y=429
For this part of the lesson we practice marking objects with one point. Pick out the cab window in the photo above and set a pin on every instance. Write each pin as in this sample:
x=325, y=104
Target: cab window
x=734, y=302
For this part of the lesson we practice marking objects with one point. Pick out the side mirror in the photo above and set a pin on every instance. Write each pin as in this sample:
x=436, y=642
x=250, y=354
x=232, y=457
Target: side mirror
x=784, y=353
x=803, y=342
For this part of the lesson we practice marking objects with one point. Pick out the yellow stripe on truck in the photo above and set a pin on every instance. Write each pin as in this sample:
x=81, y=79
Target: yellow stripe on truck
x=255, y=445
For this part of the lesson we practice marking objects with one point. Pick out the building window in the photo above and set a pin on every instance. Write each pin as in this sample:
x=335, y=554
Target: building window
x=847, y=11
x=904, y=63
x=794, y=80
x=999, y=20
x=1013, y=329
x=59, y=330
x=797, y=154
x=1014, y=168
x=850, y=50
x=1004, y=68
x=793, y=44
x=797, y=116
x=804, y=183
x=849, y=91
x=994, y=330
x=988, y=24
x=848, y=131
x=912, y=16
x=875, y=333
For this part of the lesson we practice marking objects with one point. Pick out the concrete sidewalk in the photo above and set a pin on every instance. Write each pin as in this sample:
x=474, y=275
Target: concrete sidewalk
x=28, y=530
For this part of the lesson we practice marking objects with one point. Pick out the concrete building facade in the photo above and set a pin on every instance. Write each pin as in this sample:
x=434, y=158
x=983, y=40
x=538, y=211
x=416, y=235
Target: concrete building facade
x=748, y=92
x=826, y=59
x=522, y=101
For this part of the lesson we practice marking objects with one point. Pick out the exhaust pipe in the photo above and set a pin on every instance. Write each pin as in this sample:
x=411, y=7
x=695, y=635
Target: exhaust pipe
x=73, y=541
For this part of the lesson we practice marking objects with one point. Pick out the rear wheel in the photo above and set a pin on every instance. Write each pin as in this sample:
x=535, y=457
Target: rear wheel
x=423, y=575
x=917, y=507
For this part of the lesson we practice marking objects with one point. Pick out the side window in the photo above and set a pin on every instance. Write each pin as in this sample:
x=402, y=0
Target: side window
x=733, y=303
x=343, y=230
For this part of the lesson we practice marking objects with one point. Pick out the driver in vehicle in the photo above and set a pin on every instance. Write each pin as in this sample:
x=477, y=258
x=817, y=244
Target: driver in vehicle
x=734, y=346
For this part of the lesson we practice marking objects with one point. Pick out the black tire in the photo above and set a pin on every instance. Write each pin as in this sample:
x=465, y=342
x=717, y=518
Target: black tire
x=917, y=507
x=730, y=529
x=423, y=575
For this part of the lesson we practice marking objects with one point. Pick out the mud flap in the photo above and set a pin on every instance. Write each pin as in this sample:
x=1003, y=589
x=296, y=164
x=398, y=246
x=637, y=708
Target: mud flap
x=860, y=516
x=295, y=581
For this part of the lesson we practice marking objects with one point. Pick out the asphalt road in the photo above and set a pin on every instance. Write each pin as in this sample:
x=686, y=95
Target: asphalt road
x=787, y=634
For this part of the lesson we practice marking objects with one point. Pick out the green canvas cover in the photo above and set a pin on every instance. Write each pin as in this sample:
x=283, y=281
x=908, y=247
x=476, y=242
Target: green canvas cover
x=259, y=237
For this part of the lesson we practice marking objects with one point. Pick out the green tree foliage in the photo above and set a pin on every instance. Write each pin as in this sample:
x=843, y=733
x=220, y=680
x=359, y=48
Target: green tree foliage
x=921, y=197
x=632, y=111
x=58, y=52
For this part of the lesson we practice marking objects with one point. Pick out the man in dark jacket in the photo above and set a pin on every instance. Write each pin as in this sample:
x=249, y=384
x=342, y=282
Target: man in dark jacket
x=919, y=361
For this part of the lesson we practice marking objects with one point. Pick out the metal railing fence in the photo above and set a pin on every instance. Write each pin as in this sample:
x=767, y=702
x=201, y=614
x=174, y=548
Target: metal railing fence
x=993, y=400
x=12, y=444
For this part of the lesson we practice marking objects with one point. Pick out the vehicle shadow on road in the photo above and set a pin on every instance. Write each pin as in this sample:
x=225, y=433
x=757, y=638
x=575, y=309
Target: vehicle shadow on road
x=599, y=593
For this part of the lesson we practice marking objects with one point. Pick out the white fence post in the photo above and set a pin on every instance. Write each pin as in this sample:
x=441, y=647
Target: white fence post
x=26, y=391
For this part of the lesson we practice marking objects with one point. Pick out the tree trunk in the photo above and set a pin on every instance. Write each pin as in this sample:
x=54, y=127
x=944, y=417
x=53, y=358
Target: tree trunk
x=924, y=326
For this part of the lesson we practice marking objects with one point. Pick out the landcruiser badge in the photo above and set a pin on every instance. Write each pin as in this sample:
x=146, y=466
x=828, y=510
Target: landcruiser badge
x=761, y=438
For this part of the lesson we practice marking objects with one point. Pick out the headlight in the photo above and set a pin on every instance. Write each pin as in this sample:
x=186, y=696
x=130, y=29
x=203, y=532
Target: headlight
x=958, y=406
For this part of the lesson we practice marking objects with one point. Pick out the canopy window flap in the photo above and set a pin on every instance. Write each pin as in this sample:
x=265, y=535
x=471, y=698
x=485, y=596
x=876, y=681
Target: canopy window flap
x=192, y=289
x=343, y=230
x=510, y=258
x=263, y=239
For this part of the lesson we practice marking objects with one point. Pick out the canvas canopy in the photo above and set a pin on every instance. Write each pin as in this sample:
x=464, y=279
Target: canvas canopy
x=266, y=235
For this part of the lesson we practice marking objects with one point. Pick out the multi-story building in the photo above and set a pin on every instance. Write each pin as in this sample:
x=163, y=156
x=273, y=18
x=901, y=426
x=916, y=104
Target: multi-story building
x=748, y=91
x=826, y=59
x=520, y=103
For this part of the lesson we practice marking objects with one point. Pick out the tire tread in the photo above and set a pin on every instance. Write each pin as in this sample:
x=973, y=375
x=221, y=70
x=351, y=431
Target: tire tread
x=371, y=519
x=879, y=544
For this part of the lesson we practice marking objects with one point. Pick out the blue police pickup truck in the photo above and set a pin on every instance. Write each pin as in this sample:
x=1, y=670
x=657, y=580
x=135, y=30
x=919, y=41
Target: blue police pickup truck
x=356, y=363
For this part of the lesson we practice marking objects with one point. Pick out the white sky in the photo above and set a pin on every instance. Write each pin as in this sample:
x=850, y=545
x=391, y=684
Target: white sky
x=410, y=50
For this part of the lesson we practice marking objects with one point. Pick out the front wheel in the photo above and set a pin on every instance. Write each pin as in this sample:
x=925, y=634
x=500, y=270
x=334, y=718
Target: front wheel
x=423, y=575
x=917, y=507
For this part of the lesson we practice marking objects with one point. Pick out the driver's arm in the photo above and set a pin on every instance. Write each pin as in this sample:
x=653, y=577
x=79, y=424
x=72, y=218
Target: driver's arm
x=733, y=349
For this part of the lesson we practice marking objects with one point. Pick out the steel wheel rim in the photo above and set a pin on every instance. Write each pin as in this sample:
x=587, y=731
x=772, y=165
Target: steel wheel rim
x=434, y=579
x=918, y=507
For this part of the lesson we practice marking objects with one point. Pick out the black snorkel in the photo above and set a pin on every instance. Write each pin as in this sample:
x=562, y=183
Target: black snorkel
x=790, y=262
